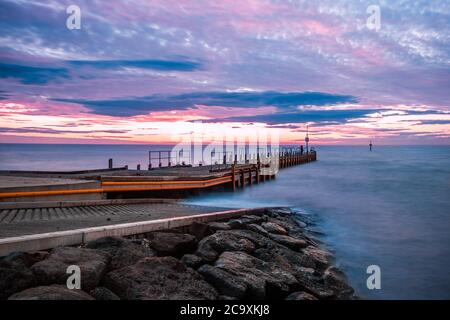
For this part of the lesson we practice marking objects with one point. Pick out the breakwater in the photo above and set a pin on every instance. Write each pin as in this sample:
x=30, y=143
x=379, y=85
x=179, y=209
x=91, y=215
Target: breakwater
x=269, y=254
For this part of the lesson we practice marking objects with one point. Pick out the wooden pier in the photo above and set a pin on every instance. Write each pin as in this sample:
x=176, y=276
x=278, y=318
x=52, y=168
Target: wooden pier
x=41, y=186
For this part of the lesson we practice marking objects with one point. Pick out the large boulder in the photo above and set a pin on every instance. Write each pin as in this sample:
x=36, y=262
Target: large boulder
x=227, y=284
x=215, y=226
x=192, y=261
x=242, y=221
x=262, y=280
x=313, y=284
x=321, y=258
x=200, y=230
x=54, y=292
x=258, y=229
x=159, y=278
x=171, y=244
x=210, y=247
x=286, y=258
x=290, y=242
x=14, y=279
x=53, y=270
x=23, y=259
x=274, y=228
x=258, y=239
x=336, y=280
x=123, y=252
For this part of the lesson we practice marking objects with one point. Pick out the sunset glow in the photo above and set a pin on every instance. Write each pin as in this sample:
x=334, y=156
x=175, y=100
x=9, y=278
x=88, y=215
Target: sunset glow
x=138, y=72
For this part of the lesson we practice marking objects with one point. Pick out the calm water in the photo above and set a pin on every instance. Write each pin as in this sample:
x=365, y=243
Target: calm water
x=390, y=207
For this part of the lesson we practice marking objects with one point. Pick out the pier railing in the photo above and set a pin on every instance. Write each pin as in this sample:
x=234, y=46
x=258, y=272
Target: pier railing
x=219, y=160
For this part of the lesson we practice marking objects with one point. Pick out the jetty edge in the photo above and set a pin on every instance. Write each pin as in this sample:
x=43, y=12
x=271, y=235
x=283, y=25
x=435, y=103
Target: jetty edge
x=270, y=253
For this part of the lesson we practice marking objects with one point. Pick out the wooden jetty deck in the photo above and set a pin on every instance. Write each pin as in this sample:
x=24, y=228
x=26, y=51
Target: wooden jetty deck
x=38, y=186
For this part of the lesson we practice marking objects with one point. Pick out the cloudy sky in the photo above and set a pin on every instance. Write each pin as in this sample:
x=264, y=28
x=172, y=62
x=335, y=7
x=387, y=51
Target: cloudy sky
x=140, y=71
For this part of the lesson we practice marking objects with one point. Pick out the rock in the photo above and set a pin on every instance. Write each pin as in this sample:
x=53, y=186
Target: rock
x=192, y=261
x=290, y=242
x=262, y=280
x=23, y=259
x=335, y=279
x=159, y=278
x=313, y=284
x=257, y=228
x=14, y=279
x=53, y=270
x=210, y=247
x=215, y=226
x=258, y=239
x=236, y=224
x=321, y=258
x=286, y=259
x=200, y=230
x=102, y=293
x=287, y=223
x=301, y=295
x=224, y=282
x=274, y=228
x=171, y=244
x=244, y=220
x=123, y=252
x=248, y=219
x=55, y=292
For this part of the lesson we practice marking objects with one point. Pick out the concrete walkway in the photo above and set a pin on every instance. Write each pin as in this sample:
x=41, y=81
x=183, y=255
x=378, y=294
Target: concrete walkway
x=19, y=222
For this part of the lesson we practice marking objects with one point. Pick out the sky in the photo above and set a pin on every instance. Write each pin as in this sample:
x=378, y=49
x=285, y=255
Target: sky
x=153, y=71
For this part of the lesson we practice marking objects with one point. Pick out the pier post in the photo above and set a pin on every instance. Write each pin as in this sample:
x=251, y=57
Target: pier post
x=233, y=176
x=110, y=163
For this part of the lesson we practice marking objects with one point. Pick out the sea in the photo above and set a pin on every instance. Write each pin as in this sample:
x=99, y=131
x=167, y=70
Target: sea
x=389, y=207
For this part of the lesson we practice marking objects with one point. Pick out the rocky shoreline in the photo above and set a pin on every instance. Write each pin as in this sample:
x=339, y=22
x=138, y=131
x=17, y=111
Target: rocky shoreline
x=267, y=256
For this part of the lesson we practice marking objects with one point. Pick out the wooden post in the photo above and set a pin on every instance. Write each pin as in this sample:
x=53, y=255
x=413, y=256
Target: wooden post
x=110, y=163
x=138, y=167
x=233, y=176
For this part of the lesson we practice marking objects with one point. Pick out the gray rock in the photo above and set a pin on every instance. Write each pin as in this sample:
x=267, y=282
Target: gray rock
x=102, y=293
x=262, y=280
x=159, y=278
x=290, y=242
x=286, y=259
x=171, y=244
x=321, y=258
x=287, y=223
x=314, y=285
x=55, y=292
x=192, y=261
x=224, y=282
x=257, y=228
x=200, y=230
x=14, y=279
x=210, y=247
x=274, y=228
x=335, y=279
x=258, y=239
x=123, y=252
x=301, y=295
x=215, y=226
x=23, y=259
x=92, y=263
